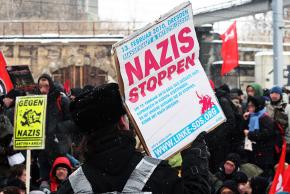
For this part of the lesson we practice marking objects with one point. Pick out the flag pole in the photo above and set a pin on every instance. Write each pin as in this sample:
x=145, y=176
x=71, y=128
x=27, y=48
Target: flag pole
x=28, y=171
x=239, y=75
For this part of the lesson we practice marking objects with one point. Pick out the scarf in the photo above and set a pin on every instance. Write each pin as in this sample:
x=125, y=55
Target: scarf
x=254, y=120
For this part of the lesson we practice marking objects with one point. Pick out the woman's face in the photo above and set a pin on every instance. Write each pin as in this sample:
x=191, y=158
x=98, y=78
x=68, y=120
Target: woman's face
x=250, y=91
x=23, y=176
x=251, y=107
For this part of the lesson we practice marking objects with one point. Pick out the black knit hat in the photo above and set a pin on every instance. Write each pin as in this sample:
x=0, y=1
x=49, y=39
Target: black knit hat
x=230, y=184
x=259, y=185
x=14, y=93
x=237, y=91
x=235, y=158
x=240, y=177
x=75, y=91
x=98, y=108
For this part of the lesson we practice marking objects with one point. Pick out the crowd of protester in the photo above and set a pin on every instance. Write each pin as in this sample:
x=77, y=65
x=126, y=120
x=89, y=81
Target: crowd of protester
x=88, y=135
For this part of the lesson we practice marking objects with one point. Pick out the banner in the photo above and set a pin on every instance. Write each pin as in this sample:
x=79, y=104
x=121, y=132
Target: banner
x=5, y=82
x=281, y=180
x=29, y=124
x=21, y=77
x=166, y=91
x=230, y=53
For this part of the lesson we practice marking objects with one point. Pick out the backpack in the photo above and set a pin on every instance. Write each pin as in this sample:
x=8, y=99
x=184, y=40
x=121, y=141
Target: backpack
x=280, y=123
x=58, y=103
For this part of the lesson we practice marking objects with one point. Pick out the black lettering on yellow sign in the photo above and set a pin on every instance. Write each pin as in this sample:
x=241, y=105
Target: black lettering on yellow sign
x=28, y=133
x=34, y=102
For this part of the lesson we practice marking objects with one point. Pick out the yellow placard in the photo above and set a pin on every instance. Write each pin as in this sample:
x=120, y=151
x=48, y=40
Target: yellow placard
x=29, y=122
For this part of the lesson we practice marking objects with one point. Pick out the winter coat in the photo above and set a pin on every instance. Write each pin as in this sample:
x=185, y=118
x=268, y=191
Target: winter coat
x=222, y=176
x=219, y=140
x=58, y=122
x=6, y=133
x=263, y=149
x=60, y=161
x=9, y=112
x=284, y=107
x=115, y=157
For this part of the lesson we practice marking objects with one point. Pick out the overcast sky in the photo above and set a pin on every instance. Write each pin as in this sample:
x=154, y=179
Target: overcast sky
x=144, y=10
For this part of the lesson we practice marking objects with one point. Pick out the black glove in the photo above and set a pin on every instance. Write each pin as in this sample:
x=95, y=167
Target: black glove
x=10, y=151
x=2, y=151
x=196, y=156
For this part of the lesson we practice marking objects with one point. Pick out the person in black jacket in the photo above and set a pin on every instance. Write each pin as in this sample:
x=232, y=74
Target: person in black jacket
x=259, y=129
x=222, y=139
x=112, y=164
x=58, y=127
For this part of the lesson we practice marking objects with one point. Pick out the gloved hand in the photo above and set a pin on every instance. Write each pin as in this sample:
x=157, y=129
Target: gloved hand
x=195, y=158
x=44, y=186
x=10, y=151
x=46, y=191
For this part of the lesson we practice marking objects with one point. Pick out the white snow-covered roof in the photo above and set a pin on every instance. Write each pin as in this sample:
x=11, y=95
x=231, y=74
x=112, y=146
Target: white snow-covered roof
x=269, y=53
x=251, y=42
x=54, y=38
x=240, y=62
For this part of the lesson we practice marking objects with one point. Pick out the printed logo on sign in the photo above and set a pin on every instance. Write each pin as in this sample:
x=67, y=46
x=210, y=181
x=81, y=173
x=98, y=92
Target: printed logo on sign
x=186, y=132
x=30, y=117
x=206, y=102
x=2, y=87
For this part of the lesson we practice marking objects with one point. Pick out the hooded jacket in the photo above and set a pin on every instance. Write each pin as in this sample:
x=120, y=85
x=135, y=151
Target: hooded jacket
x=58, y=119
x=258, y=89
x=54, y=182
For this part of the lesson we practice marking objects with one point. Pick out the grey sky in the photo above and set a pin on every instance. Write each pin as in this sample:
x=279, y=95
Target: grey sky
x=144, y=10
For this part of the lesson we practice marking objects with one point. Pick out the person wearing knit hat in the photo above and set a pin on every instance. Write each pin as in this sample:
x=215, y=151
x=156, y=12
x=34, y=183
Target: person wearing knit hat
x=259, y=185
x=243, y=183
x=229, y=187
x=279, y=111
x=9, y=103
x=276, y=95
x=229, y=168
x=259, y=128
x=111, y=162
x=74, y=92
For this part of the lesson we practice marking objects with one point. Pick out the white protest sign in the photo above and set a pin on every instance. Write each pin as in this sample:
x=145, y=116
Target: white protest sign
x=165, y=88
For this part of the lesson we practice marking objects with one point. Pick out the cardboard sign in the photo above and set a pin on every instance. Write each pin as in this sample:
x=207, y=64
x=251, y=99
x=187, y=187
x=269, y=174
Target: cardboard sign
x=21, y=77
x=29, y=124
x=166, y=91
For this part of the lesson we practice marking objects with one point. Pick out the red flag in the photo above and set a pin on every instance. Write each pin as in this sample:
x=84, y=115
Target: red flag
x=230, y=53
x=278, y=182
x=66, y=86
x=5, y=82
x=286, y=179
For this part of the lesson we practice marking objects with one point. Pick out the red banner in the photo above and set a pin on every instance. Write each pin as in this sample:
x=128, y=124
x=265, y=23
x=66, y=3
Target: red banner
x=278, y=182
x=66, y=86
x=230, y=53
x=5, y=81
